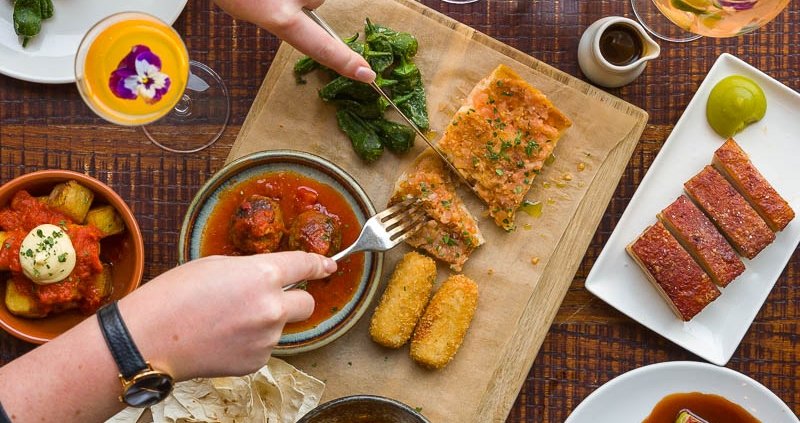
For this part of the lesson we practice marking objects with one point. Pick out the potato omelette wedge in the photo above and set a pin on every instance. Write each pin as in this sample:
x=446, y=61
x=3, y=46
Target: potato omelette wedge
x=500, y=139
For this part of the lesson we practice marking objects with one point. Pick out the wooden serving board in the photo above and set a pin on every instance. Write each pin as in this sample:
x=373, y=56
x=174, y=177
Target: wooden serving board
x=518, y=298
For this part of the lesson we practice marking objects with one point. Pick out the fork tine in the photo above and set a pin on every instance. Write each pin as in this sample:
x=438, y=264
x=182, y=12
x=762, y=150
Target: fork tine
x=409, y=232
x=395, y=208
x=406, y=224
x=399, y=217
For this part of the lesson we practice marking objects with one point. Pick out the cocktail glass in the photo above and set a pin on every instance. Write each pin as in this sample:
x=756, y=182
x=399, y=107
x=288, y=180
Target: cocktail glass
x=687, y=20
x=133, y=69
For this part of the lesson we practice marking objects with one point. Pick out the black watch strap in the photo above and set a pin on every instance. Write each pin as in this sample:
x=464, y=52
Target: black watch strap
x=128, y=358
x=3, y=416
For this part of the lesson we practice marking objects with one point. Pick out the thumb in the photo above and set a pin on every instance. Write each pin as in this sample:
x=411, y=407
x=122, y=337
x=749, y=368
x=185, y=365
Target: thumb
x=288, y=267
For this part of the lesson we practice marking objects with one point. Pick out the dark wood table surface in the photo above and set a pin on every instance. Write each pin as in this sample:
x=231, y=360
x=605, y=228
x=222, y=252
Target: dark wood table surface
x=48, y=126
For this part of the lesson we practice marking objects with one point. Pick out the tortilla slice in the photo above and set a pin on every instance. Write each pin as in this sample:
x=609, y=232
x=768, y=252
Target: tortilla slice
x=500, y=139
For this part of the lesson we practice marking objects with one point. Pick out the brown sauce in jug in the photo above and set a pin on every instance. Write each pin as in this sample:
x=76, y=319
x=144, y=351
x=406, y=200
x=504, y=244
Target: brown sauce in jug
x=712, y=408
x=621, y=45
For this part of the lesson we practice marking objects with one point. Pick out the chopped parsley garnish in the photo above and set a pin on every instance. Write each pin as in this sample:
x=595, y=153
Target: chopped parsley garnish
x=499, y=172
x=62, y=258
x=39, y=233
x=531, y=147
x=447, y=240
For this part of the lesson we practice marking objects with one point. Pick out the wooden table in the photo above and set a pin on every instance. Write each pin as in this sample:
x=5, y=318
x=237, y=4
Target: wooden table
x=589, y=343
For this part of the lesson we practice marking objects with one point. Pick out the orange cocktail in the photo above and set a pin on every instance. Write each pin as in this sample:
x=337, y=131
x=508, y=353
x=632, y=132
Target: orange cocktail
x=721, y=18
x=132, y=68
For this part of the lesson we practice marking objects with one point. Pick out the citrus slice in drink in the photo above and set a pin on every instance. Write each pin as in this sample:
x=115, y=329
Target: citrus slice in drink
x=692, y=6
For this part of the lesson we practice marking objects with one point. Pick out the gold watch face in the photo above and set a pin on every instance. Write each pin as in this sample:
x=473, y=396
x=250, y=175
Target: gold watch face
x=147, y=388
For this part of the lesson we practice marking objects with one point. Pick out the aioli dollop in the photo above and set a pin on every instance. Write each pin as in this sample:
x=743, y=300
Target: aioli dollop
x=46, y=254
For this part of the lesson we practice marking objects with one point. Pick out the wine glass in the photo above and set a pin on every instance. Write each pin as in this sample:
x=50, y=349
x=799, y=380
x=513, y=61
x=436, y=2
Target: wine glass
x=133, y=69
x=687, y=20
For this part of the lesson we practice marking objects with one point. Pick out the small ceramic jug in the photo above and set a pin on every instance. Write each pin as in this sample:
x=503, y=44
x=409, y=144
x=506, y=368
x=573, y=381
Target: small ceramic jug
x=600, y=70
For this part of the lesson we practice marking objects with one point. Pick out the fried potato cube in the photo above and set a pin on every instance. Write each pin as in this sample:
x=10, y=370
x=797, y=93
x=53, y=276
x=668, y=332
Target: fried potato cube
x=3, y=238
x=103, y=282
x=444, y=324
x=71, y=199
x=106, y=219
x=22, y=303
x=403, y=301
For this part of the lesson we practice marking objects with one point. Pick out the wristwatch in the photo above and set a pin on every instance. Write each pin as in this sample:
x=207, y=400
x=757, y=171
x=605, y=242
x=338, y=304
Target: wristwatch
x=142, y=386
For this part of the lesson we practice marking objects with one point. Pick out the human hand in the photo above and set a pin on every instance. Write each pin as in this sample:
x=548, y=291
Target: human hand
x=220, y=316
x=285, y=18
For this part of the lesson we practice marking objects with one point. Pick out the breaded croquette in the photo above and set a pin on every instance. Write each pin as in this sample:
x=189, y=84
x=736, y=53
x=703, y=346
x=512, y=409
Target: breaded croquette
x=404, y=300
x=442, y=328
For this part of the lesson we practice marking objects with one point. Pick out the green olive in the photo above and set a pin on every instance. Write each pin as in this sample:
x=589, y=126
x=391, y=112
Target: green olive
x=734, y=103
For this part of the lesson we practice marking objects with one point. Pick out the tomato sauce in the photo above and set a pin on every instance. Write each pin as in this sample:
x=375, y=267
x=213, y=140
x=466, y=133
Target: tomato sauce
x=295, y=193
x=25, y=213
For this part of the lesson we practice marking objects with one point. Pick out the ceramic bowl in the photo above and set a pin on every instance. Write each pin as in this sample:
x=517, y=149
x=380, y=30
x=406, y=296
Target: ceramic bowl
x=321, y=170
x=127, y=271
x=363, y=408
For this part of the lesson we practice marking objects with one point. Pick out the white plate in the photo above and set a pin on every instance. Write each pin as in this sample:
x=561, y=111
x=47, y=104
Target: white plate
x=49, y=57
x=772, y=144
x=632, y=396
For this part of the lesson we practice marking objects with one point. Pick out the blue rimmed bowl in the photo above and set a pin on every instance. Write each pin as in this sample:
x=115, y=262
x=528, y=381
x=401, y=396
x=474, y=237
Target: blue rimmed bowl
x=321, y=170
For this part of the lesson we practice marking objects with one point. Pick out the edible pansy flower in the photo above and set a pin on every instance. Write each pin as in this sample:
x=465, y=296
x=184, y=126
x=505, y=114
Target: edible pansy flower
x=139, y=75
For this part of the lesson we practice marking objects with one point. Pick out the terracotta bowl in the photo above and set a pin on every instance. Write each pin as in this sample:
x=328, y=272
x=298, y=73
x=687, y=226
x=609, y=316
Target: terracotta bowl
x=127, y=271
x=363, y=408
x=316, y=168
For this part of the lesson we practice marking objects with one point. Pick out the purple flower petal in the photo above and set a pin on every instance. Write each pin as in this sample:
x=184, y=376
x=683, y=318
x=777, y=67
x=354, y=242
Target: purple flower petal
x=160, y=92
x=129, y=61
x=739, y=4
x=146, y=56
x=117, y=83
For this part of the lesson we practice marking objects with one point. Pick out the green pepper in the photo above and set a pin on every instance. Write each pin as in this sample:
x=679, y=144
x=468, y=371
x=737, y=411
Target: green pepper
x=344, y=88
x=306, y=64
x=371, y=110
x=366, y=142
x=302, y=67
x=407, y=76
x=47, y=8
x=398, y=138
x=360, y=109
x=413, y=105
x=27, y=19
x=401, y=44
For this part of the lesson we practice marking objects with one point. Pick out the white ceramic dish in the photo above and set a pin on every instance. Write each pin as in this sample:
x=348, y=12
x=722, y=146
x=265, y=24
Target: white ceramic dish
x=632, y=396
x=49, y=57
x=772, y=144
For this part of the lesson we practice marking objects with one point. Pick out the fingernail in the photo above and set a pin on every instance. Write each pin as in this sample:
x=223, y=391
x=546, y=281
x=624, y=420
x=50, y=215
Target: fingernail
x=329, y=265
x=365, y=74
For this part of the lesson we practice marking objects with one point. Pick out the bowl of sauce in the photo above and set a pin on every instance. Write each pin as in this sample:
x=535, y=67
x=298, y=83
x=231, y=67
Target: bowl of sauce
x=283, y=200
x=363, y=409
x=57, y=267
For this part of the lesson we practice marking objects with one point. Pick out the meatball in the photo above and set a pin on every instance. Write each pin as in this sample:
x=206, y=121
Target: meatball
x=257, y=225
x=315, y=232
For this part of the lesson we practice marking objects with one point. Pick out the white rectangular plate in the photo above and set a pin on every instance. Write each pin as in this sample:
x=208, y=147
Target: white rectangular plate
x=772, y=144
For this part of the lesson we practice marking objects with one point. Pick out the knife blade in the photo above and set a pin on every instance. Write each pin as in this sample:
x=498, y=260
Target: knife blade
x=324, y=25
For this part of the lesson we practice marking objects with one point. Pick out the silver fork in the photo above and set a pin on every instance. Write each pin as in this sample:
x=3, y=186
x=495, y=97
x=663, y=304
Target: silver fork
x=385, y=230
